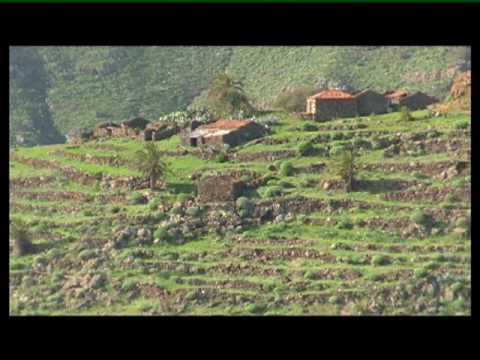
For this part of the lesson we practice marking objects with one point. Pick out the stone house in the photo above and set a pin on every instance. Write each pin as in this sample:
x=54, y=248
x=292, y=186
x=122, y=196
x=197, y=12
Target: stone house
x=219, y=188
x=370, y=102
x=393, y=97
x=415, y=101
x=79, y=136
x=331, y=104
x=133, y=128
x=106, y=129
x=222, y=132
x=160, y=131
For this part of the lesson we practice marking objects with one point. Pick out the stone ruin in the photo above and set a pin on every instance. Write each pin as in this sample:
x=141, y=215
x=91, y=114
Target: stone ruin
x=219, y=188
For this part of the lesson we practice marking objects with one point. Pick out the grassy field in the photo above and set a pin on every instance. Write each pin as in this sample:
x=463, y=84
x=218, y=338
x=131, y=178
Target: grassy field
x=360, y=253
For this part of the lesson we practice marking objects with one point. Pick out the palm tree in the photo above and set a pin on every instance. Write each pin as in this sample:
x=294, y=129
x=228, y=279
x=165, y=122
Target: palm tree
x=21, y=236
x=226, y=96
x=347, y=168
x=149, y=163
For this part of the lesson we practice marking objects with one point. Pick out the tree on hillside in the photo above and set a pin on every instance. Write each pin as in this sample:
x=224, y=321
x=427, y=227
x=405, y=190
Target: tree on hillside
x=346, y=168
x=21, y=237
x=226, y=97
x=294, y=100
x=149, y=163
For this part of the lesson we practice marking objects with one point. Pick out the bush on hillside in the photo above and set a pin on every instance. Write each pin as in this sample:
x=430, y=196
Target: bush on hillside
x=306, y=149
x=21, y=237
x=273, y=191
x=287, y=169
x=405, y=114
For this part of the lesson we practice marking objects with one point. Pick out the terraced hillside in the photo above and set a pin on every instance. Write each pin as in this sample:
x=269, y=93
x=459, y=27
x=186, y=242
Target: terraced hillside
x=296, y=245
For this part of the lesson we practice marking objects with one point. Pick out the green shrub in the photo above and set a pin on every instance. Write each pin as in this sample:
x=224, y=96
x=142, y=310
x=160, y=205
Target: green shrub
x=244, y=213
x=87, y=213
x=246, y=179
x=287, y=169
x=21, y=237
x=459, y=183
x=221, y=157
x=431, y=265
x=421, y=272
x=309, y=127
x=336, y=150
x=462, y=125
x=129, y=285
x=345, y=224
x=243, y=203
x=158, y=216
x=194, y=211
x=162, y=235
x=115, y=209
x=333, y=299
x=286, y=185
x=153, y=205
x=379, y=260
x=302, y=218
x=272, y=182
x=421, y=218
x=337, y=136
x=464, y=223
x=306, y=149
x=309, y=275
x=273, y=191
x=87, y=254
x=375, y=277
x=405, y=114
x=272, y=167
x=254, y=308
x=136, y=198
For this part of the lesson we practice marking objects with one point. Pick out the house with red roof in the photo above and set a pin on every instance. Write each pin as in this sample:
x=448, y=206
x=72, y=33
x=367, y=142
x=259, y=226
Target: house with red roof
x=331, y=104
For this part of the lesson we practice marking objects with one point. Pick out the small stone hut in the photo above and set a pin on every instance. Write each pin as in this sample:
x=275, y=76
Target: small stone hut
x=134, y=128
x=415, y=101
x=160, y=131
x=331, y=104
x=79, y=136
x=370, y=102
x=105, y=129
x=219, y=188
x=222, y=132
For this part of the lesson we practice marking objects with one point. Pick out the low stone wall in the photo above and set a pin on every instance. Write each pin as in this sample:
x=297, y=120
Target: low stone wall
x=263, y=156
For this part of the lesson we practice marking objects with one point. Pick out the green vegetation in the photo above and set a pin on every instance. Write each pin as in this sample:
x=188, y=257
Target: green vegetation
x=149, y=163
x=21, y=237
x=294, y=100
x=226, y=98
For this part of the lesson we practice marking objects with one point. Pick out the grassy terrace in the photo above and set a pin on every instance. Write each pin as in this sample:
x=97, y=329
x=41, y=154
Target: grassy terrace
x=321, y=262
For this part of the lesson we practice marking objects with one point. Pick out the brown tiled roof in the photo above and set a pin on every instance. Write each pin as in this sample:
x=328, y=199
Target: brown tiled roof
x=332, y=95
x=396, y=94
x=223, y=124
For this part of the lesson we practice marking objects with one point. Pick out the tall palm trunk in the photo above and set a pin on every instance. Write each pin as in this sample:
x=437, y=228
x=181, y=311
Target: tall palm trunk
x=152, y=182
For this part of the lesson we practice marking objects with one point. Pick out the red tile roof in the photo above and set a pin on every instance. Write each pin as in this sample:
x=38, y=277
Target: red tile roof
x=396, y=94
x=332, y=95
x=223, y=124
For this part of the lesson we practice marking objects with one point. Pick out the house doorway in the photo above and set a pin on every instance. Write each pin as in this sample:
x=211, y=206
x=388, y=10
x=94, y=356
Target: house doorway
x=193, y=142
